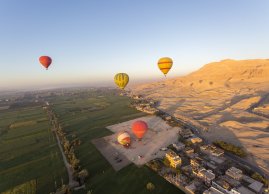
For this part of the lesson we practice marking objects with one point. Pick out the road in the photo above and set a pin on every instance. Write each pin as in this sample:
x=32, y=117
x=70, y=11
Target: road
x=72, y=183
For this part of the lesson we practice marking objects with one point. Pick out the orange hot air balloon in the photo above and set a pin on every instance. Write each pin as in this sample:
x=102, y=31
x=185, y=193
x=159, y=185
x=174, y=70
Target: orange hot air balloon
x=45, y=61
x=139, y=128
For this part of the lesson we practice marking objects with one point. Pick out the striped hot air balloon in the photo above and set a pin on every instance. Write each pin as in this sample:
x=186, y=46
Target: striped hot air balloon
x=124, y=139
x=139, y=128
x=121, y=79
x=165, y=64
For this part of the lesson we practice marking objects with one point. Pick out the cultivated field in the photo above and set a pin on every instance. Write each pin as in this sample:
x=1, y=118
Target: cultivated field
x=77, y=116
x=28, y=152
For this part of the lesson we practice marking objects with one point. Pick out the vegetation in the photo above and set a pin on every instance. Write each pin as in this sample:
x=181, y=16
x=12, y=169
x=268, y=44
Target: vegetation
x=155, y=165
x=25, y=188
x=29, y=152
x=231, y=148
x=88, y=125
x=150, y=186
x=22, y=124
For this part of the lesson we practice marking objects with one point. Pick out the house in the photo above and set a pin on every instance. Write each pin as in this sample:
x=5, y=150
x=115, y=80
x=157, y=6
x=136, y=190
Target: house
x=208, y=176
x=196, y=162
x=212, y=150
x=235, y=173
x=212, y=190
x=189, y=150
x=256, y=186
x=173, y=158
x=185, y=132
x=191, y=188
x=244, y=190
x=178, y=146
x=195, y=140
x=221, y=185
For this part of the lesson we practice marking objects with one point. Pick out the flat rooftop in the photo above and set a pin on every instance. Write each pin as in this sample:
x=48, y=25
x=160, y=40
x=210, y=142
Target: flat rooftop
x=159, y=135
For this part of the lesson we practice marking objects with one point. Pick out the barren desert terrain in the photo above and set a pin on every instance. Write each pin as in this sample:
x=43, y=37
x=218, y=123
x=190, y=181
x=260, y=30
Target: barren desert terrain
x=229, y=98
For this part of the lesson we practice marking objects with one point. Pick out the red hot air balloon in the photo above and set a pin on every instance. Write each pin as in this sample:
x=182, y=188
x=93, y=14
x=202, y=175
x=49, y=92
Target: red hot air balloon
x=45, y=61
x=139, y=128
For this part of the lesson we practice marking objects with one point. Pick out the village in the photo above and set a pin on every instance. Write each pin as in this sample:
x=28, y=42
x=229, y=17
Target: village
x=198, y=167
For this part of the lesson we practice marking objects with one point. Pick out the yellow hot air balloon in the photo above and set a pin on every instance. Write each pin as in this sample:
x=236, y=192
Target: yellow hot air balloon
x=165, y=64
x=121, y=79
x=124, y=139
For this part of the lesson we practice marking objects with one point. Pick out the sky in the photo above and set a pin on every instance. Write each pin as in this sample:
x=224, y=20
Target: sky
x=91, y=40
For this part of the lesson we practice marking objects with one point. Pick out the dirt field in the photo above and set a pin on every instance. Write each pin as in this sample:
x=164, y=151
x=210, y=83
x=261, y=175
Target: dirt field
x=110, y=153
x=158, y=136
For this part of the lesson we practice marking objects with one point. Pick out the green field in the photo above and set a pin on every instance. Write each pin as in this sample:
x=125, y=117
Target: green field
x=28, y=150
x=87, y=117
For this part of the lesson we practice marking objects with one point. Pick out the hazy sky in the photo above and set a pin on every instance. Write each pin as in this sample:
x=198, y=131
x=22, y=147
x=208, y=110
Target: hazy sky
x=91, y=40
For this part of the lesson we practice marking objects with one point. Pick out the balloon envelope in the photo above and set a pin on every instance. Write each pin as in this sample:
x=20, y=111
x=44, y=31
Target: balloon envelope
x=124, y=139
x=121, y=79
x=45, y=61
x=165, y=64
x=139, y=128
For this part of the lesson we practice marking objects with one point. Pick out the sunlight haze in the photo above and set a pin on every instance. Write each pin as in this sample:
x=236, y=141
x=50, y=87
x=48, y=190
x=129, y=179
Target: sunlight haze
x=90, y=41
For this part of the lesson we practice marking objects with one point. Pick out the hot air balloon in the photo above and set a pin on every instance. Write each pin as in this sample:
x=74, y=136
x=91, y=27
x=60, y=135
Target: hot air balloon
x=45, y=61
x=139, y=128
x=121, y=79
x=165, y=64
x=124, y=139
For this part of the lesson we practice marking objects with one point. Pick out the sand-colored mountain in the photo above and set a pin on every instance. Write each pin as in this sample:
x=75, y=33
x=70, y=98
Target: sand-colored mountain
x=220, y=96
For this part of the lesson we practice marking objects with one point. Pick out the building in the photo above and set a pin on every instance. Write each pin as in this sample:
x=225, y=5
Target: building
x=189, y=150
x=244, y=190
x=212, y=150
x=217, y=160
x=222, y=186
x=173, y=158
x=256, y=186
x=185, y=133
x=234, y=191
x=195, y=140
x=196, y=162
x=206, y=175
x=212, y=190
x=191, y=188
x=211, y=166
x=179, y=146
x=235, y=173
